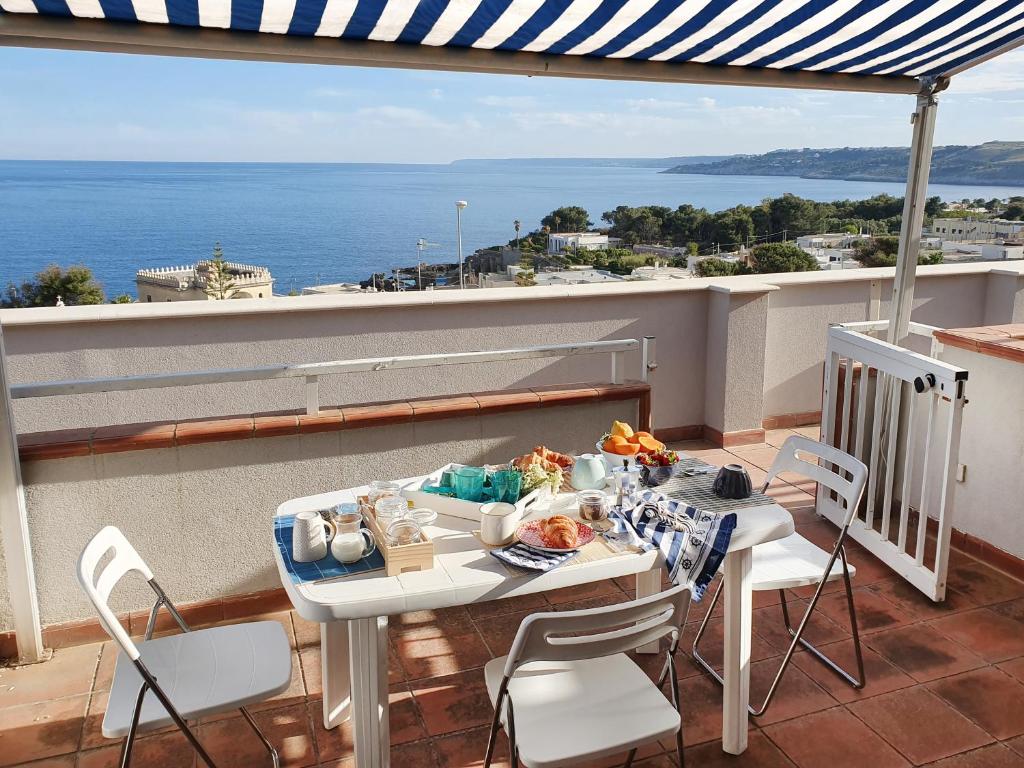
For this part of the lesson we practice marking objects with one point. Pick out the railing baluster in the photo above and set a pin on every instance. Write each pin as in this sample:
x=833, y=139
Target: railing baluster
x=313, y=395
x=862, y=408
x=844, y=440
x=876, y=429
x=892, y=438
x=908, y=477
x=926, y=471
x=617, y=367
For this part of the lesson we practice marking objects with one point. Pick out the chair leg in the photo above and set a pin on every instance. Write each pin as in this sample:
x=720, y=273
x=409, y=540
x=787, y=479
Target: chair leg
x=151, y=683
x=677, y=703
x=129, y=740
x=855, y=682
x=266, y=742
x=700, y=633
x=492, y=737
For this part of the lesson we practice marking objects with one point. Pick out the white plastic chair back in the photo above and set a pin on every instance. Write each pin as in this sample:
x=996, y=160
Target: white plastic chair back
x=597, y=632
x=849, y=489
x=99, y=586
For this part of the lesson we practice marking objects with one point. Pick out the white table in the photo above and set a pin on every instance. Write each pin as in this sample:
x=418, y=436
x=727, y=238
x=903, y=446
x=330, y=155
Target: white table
x=353, y=612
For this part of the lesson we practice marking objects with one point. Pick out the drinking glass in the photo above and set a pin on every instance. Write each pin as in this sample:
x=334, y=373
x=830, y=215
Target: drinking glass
x=381, y=488
x=469, y=483
x=593, y=507
x=507, y=485
x=389, y=509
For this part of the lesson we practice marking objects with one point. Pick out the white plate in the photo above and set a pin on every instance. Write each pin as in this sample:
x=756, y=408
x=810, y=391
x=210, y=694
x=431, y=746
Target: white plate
x=529, y=534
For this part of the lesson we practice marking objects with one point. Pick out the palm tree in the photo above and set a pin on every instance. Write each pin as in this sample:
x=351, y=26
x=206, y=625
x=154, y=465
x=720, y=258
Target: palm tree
x=517, y=224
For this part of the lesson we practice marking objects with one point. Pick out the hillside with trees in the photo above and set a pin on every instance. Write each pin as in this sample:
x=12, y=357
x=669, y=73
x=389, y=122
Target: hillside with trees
x=995, y=162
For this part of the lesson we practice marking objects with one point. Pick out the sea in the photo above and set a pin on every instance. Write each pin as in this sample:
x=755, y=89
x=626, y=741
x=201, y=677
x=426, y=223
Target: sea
x=325, y=223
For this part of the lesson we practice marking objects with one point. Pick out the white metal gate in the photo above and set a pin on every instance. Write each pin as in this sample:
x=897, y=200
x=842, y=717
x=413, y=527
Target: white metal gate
x=899, y=412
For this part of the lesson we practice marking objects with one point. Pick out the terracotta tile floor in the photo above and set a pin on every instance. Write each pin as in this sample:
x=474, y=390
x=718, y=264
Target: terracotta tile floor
x=945, y=682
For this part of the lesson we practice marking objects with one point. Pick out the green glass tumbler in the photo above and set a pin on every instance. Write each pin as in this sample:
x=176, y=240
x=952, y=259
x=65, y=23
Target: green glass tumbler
x=469, y=483
x=507, y=484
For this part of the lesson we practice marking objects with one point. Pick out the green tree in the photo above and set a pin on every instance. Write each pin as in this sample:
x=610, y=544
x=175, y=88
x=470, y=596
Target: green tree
x=1014, y=212
x=883, y=252
x=219, y=283
x=568, y=218
x=525, y=278
x=714, y=267
x=74, y=286
x=782, y=257
x=122, y=298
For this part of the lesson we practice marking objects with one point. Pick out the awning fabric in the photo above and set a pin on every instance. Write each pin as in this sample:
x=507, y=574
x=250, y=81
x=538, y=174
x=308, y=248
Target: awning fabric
x=871, y=37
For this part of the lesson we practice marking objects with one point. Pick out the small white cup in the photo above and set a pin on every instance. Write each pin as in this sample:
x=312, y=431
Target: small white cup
x=498, y=521
x=310, y=535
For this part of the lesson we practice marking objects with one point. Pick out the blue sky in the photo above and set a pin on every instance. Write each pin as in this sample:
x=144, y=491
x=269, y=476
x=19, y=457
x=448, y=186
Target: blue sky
x=71, y=105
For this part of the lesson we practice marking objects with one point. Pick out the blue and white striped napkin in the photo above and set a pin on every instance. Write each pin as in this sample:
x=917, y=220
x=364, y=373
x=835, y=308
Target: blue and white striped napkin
x=523, y=556
x=693, y=543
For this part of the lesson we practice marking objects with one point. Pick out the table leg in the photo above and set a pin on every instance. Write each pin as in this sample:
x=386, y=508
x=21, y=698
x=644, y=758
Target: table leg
x=334, y=666
x=738, y=621
x=648, y=583
x=368, y=643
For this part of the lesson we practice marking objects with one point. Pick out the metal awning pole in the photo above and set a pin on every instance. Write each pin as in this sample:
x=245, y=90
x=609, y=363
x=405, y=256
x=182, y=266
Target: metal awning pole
x=21, y=580
x=923, y=121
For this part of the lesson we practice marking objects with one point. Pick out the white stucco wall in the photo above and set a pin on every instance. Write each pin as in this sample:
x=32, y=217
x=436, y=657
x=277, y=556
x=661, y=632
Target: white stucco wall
x=990, y=502
x=200, y=515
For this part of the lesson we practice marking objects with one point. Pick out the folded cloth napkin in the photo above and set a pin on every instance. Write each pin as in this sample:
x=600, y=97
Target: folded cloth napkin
x=523, y=556
x=692, y=542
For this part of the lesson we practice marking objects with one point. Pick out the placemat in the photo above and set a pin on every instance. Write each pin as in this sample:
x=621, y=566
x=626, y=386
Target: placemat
x=598, y=549
x=697, y=490
x=325, y=568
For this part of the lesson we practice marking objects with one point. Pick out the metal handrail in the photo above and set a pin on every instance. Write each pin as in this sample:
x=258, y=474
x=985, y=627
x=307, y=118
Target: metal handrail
x=312, y=372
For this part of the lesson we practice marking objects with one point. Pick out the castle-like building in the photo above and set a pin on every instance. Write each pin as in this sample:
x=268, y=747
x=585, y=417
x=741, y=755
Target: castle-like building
x=198, y=282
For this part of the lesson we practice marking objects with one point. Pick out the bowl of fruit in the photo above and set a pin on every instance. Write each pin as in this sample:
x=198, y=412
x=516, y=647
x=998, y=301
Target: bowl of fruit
x=657, y=467
x=622, y=445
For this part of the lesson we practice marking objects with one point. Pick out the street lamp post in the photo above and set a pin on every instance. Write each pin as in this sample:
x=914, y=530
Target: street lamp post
x=459, y=205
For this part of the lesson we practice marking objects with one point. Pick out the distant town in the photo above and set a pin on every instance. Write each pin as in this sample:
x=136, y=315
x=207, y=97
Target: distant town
x=782, y=234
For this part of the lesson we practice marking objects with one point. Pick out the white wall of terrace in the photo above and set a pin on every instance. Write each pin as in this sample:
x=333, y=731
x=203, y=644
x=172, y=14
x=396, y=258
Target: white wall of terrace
x=721, y=342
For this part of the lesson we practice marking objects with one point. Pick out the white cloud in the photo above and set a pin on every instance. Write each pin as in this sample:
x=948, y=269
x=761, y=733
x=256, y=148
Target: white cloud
x=508, y=102
x=1005, y=73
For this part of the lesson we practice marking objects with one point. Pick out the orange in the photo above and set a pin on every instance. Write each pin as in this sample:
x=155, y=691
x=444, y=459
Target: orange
x=649, y=444
x=625, y=449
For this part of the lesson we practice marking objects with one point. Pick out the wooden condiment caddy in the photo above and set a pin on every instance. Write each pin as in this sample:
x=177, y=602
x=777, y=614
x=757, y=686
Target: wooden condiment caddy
x=400, y=558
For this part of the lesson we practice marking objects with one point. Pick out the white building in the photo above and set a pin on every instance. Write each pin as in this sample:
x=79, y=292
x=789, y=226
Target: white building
x=581, y=241
x=330, y=289
x=999, y=251
x=661, y=272
x=576, y=277
x=810, y=243
x=978, y=229
x=195, y=282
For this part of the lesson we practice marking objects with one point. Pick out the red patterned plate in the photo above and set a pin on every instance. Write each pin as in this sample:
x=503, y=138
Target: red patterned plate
x=530, y=535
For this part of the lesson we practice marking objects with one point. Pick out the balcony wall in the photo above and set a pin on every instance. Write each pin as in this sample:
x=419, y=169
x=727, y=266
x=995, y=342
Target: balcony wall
x=732, y=354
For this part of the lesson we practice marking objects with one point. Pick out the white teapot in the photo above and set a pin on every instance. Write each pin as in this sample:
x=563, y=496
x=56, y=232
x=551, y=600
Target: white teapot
x=588, y=472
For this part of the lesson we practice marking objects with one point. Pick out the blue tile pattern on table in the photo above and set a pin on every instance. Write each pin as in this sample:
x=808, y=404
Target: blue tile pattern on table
x=325, y=568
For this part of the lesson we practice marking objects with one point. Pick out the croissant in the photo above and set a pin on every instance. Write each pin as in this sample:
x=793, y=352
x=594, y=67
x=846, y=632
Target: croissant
x=560, y=459
x=560, y=532
x=525, y=462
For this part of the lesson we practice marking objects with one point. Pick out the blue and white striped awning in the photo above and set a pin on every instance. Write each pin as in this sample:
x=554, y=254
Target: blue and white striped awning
x=880, y=38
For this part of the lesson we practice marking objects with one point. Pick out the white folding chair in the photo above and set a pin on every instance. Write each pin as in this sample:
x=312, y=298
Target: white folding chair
x=795, y=562
x=567, y=693
x=178, y=677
